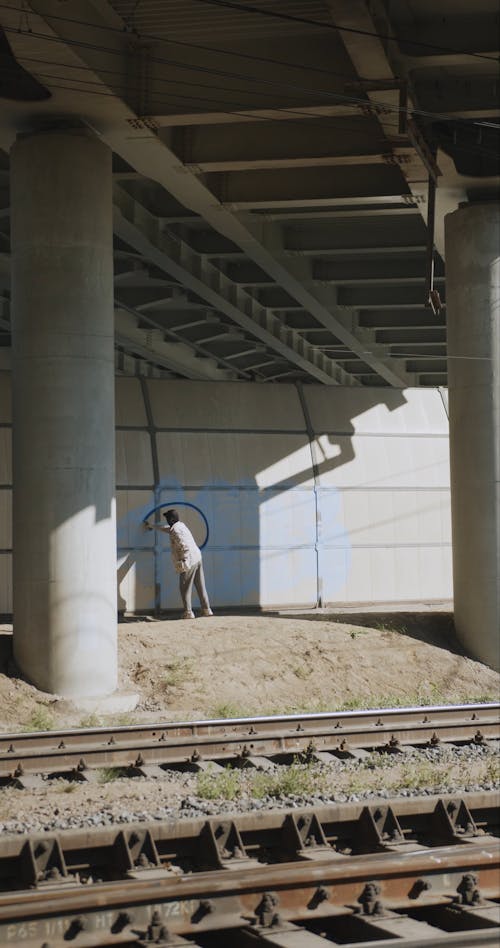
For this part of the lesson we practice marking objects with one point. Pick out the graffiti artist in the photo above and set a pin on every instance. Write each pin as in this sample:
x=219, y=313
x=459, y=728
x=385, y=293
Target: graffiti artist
x=188, y=562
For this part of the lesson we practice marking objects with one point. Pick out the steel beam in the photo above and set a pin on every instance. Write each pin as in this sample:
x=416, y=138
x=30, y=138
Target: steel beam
x=307, y=186
x=375, y=296
x=141, y=230
x=243, y=116
x=388, y=234
x=174, y=356
x=401, y=270
x=137, y=141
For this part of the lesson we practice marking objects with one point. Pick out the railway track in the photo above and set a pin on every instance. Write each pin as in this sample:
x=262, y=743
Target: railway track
x=149, y=749
x=416, y=872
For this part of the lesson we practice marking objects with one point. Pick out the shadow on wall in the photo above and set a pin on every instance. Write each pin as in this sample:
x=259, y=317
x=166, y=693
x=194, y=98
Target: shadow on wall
x=286, y=494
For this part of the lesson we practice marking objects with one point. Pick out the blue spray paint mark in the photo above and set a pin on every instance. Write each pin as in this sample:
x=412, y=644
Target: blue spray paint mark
x=182, y=503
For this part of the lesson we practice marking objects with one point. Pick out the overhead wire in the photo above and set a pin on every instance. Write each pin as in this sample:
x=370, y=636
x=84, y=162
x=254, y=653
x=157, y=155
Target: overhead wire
x=274, y=14
x=244, y=109
x=207, y=70
x=330, y=25
x=195, y=67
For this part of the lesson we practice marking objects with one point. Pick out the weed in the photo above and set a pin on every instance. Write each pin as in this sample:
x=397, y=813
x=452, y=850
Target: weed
x=40, y=720
x=221, y=785
x=108, y=774
x=228, y=710
x=177, y=673
x=390, y=628
x=297, y=780
x=355, y=632
x=493, y=770
x=418, y=775
x=302, y=672
x=312, y=707
x=92, y=720
x=352, y=705
x=122, y=720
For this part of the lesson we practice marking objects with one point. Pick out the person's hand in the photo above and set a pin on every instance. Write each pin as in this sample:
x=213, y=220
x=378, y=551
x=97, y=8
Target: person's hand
x=147, y=525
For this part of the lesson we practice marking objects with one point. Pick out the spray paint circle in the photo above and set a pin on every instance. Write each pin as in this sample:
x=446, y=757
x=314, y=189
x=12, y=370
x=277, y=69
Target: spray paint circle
x=182, y=503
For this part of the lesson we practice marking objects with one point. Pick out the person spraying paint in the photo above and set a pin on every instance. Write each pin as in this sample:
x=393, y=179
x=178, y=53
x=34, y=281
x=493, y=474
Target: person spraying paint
x=188, y=562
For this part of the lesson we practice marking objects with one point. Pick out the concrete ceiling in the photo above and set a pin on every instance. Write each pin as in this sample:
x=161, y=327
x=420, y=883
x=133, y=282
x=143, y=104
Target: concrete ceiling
x=271, y=166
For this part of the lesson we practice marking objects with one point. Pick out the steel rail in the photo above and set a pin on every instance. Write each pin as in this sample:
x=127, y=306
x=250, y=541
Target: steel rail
x=306, y=891
x=261, y=875
x=234, y=740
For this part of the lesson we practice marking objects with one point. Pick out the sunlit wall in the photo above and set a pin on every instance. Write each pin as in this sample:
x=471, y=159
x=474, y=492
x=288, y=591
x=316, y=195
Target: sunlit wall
x=320, y=494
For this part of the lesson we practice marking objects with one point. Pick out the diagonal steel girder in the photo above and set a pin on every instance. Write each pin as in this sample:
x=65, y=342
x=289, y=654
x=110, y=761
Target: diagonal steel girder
x=192, y=193
x=143, y=231
x=136, y=139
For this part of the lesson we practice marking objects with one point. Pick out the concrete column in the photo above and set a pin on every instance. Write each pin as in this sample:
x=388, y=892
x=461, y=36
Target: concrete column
x=63, y=413
x=473, y=313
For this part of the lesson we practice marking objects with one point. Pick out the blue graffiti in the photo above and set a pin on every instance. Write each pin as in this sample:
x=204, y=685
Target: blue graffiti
x=182, y=503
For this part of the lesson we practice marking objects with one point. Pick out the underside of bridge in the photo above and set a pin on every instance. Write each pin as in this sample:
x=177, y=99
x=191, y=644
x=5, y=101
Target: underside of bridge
x=278, y=174
x=271, y=163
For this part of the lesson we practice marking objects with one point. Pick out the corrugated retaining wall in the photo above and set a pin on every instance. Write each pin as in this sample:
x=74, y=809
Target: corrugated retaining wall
x=313, y=494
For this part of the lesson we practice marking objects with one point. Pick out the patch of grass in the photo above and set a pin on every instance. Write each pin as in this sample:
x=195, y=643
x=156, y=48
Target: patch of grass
x=122, y=720
x=229, y=710
x=177, y=673
x=310, y=707
x=418, y=775
x=40, y=720
x=430, y=696
x=355, y=632
x=493, y=770
x=353, y=704
x=225, y=785
x=297, y=780
x=91, y=720
x=108, y=774
x=389, y=627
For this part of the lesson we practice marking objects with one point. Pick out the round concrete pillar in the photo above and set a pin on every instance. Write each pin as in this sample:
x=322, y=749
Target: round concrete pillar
x=63, y=413
x=473, y=315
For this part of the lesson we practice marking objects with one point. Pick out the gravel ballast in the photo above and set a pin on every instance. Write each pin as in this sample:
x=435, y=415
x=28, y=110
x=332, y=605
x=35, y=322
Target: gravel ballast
x=61, y=805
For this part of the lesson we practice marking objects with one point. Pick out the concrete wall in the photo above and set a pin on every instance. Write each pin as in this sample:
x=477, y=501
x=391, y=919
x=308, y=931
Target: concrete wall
x=322, y=493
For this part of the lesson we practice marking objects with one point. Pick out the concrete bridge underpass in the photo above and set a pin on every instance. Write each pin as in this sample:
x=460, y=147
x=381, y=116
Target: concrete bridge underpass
x=263, y=192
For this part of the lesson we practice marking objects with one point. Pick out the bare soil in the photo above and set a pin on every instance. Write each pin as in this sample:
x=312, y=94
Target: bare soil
x=237, y=665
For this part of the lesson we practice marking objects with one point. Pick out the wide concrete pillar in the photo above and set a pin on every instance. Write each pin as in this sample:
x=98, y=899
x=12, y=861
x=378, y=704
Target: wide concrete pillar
x=63, y=413
x=473, y=315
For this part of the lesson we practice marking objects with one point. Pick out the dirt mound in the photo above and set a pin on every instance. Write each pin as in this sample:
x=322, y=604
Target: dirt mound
x=231, y=666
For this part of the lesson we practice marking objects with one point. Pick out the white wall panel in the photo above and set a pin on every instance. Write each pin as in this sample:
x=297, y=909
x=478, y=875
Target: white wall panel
x=131, y=508
x=135, y=572
x=287, y=519
x=376, y=410
x=382, y=492
x=133, y=458
x=288, y=577
x=236, y=405
x=385, y=574
x=263, y=460
x=129, y=403
x=363, y=461
x=363, y=517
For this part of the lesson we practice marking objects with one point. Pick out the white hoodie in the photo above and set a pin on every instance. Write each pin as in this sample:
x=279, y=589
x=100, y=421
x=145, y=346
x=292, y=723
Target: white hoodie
x=185, y=552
